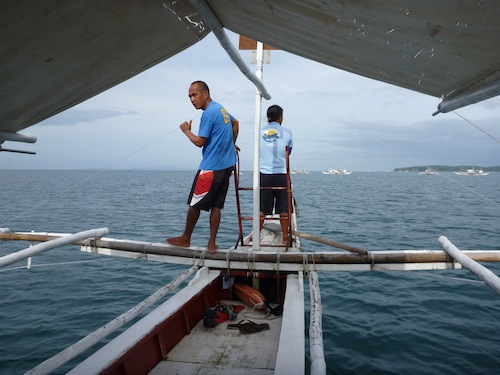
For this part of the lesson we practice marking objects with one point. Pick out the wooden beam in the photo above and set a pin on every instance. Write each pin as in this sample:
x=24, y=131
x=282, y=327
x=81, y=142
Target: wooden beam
x=251, y=44
x=325, y=241
x=151, y=250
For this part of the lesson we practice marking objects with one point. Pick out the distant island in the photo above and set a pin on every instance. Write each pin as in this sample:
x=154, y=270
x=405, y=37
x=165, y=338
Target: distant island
x=446, y=168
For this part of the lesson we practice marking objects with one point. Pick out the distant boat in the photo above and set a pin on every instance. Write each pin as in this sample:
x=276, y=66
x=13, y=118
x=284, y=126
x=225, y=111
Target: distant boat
x=299, y=171
x=336, y=171
x=429, y=171
x=472, y=172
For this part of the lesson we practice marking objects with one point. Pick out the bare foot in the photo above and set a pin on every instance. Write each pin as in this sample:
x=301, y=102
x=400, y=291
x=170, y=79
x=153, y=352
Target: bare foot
x=212, y=250
x=179, y=241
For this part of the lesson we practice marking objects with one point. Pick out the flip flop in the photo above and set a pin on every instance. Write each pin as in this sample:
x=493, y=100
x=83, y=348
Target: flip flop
x=240, y=324
x=253, y=328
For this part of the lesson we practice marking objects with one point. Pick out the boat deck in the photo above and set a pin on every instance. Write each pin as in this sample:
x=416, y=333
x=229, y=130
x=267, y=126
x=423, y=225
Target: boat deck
x=220, y=350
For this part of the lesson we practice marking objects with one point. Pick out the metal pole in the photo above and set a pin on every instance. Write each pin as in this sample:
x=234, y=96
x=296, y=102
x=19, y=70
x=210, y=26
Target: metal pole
x=256, y=156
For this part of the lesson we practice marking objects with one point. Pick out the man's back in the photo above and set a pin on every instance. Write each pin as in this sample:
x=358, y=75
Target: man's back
x=274, y=139
x=216, y=126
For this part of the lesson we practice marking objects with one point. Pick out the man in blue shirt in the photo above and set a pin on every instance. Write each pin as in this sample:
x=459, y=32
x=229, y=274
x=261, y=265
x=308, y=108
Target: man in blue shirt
x=217, y=137
x=274, y=139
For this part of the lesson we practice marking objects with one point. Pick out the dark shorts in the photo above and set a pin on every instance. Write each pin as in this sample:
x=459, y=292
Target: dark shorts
x=273, y=198
x=209, y=189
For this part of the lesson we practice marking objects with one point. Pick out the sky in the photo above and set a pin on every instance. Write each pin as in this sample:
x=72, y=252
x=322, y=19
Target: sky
x=338, y=120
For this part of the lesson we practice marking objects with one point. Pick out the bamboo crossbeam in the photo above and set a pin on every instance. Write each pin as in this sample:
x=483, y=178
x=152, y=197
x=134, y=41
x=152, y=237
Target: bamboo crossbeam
x=327, y=257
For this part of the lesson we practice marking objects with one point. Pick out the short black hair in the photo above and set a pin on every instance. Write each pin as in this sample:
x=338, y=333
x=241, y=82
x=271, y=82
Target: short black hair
x=201, y=85
x=274, y=112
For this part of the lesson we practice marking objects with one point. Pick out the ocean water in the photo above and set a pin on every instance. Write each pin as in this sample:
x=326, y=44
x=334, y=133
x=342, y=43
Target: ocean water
x=419, y=322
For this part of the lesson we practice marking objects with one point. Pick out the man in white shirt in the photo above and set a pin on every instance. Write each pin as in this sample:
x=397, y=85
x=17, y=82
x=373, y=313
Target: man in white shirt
x=274, y=140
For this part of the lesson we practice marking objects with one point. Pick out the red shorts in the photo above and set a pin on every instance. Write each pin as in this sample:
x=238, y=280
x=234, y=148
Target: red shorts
x=210, y=189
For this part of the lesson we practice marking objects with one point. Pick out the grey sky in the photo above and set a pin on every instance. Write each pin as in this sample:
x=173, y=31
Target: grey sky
x=338, y=120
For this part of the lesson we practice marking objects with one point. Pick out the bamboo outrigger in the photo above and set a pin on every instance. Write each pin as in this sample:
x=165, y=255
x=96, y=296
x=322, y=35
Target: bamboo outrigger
x=267, y=260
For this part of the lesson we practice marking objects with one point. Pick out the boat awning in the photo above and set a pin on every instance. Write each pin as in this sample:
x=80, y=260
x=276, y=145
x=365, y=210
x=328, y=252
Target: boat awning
x=57, y=54
x=446, y=49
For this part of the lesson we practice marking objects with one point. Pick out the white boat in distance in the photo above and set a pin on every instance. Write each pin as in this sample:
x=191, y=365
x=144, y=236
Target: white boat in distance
x=472, y=172
x=299, y=171
x=336, y=171
x=429, y=171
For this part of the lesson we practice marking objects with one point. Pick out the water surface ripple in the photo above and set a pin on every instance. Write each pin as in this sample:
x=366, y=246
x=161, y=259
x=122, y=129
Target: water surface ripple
x=423, y=322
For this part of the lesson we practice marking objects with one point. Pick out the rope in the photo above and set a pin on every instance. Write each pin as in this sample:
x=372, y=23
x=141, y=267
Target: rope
x=202, y=258
x=396, y=150
x=305, y=262
x=471, y=190
x=450, y=277
x=477, y=127
x=251, y=266
x=257, y=305
x=228, y=261
x=80, y=182
x=105, y=169
x=144, y=253
x=372, y=257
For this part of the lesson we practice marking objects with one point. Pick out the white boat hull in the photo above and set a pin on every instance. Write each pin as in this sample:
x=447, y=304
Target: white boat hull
x=337, y=171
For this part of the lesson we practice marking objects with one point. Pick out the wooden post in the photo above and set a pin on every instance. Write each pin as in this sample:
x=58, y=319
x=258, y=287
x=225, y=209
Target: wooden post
x=324, y=241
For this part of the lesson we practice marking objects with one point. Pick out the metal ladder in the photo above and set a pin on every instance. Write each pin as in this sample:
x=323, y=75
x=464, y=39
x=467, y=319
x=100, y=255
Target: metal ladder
x=290, y=199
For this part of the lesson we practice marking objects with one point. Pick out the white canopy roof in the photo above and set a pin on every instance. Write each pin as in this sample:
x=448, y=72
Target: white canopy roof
x=57, y=54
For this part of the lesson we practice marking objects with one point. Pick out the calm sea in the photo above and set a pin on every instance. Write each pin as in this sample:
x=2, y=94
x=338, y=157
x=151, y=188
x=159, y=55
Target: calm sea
x=419, y=322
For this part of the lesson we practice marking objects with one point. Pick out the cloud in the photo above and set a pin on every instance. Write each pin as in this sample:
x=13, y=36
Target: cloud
x=338, y=119
x=77, y=115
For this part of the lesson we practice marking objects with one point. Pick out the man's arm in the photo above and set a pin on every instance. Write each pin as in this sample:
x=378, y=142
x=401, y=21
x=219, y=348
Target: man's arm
x=186, y=129
x=236, y=129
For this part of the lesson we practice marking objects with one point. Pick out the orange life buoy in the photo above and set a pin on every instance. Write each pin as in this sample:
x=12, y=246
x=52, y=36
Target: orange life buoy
x=252, y=297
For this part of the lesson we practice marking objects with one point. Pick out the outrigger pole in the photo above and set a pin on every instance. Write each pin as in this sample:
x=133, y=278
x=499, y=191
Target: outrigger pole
x=480, y=271
x=50, y=244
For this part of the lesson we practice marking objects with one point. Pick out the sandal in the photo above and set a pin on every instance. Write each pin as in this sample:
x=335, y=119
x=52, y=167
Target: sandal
x=239, y=324
x=247, y=326
x=253, y=328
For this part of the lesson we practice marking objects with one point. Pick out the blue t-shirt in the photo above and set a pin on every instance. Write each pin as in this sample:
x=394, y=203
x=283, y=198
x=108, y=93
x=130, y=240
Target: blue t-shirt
x=216, y=126
x=273, y=141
